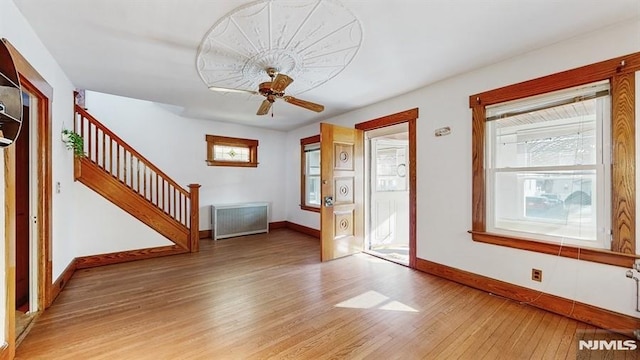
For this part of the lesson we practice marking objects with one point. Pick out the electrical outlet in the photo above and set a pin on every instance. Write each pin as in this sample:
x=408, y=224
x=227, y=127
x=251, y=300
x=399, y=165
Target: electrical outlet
x=536, y=275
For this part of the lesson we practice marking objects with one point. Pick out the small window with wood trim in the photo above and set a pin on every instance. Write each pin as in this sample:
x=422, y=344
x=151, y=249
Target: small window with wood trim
x=229, y=151
x=310, y=173
x=553, y=163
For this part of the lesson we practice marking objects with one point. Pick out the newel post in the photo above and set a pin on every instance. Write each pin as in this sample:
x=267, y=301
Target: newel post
x=194, y=198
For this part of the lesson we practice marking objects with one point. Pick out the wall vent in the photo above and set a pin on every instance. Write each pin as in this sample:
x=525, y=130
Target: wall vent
x=239, y=219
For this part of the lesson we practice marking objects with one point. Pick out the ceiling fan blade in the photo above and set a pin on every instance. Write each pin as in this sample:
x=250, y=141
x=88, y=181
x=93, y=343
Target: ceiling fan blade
x=303, y=103
x=280, y=82
x=264, y=107
x=224, y=89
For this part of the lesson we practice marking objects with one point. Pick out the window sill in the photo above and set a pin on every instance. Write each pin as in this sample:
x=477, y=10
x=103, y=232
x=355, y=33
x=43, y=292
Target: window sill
x=570, y=251
x=231, y=163
x=310, y=208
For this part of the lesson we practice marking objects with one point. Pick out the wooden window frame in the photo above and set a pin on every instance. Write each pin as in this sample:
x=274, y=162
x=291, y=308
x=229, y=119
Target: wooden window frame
x=620, y=72
x=303, y=165
x=252, y=145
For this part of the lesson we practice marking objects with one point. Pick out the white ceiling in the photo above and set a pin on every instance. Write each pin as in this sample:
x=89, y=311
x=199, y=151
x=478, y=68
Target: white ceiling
x=146, y=49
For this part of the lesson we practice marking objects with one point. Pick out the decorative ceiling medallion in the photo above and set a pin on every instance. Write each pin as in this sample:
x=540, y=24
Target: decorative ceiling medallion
x=310, y=41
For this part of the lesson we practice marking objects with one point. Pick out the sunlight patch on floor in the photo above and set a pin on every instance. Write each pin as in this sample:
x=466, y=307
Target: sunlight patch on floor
x=374, y=300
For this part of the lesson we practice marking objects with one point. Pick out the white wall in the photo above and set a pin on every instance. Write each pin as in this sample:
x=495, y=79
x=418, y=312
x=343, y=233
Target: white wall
x=444, y=174
x=14, y=27
x=177, y=146
x=20, y=34
x=106, y=228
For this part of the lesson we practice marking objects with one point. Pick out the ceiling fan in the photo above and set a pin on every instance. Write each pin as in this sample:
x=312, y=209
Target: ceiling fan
x=273, y=90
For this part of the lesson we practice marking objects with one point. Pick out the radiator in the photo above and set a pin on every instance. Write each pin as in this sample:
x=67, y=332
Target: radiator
x=239, y=219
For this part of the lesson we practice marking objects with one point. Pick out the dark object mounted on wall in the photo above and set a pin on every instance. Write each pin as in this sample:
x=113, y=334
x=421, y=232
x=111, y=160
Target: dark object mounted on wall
x=10, y=98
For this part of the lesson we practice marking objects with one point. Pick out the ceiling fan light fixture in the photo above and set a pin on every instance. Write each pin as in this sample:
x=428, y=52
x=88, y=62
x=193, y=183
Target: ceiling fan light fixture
x=296, y=38
x=273, y=90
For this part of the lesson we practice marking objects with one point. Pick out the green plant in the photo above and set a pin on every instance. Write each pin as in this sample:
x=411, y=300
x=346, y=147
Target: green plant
x=73, y=141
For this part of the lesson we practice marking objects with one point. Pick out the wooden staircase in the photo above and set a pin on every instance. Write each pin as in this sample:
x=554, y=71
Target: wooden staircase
x=113, y=169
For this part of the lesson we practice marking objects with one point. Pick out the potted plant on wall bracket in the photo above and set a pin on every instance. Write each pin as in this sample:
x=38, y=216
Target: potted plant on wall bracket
x=73, y=141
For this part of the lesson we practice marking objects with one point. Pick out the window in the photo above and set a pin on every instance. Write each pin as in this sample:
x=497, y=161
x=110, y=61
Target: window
x=228, y=151
x=553, y=163
x=547, y=163
x=391, y=164
x=310, y=173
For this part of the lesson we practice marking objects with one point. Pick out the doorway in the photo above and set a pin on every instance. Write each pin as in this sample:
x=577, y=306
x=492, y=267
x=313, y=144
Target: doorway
x=387, y=193
x=26, y=284
x=39, y=199
x=341, y=149
x=386, y=126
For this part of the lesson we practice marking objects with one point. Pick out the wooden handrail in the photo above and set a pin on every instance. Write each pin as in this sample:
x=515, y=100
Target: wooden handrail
x=128, y=148
x=138, y=174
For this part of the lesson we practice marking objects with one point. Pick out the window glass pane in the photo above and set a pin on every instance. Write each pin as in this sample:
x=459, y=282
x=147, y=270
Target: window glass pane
x=552, y=203
x=558, y=136
x=313, y=162
x=391, y=167
x=230, y=153
x=313, y=190
x=312, y=177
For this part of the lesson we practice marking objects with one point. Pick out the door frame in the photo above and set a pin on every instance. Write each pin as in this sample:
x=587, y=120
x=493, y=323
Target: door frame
x=410, y=117
x=373, y=195
x=33, y=83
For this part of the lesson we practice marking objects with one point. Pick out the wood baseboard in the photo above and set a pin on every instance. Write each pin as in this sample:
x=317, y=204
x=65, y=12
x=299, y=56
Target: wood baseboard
x=277, y=225
x=303, y=229
x=62, y=280
x=125, y=256
x=205, y=234
x=590, y=314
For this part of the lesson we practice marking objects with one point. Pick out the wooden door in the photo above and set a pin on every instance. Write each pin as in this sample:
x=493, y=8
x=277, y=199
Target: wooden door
x=22, y=212
x=342, y=191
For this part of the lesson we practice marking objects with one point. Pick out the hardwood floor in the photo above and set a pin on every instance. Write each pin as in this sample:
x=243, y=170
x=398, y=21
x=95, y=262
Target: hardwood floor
x=268, y=296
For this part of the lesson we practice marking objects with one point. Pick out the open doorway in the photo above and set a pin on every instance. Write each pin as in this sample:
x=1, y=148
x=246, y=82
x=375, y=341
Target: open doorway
x=387, y=214
x=396, y=128
x=26, y=284
x=34, y=273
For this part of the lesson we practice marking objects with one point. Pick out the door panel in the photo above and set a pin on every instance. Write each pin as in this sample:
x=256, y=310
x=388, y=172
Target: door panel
x=389, y=194
x=341, y=215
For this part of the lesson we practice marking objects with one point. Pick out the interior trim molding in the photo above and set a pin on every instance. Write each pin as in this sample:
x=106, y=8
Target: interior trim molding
x=393, y=119
x=573, y=252
x=63, y=279
x=277, y=225
x=303, y=229
x=589, y=314
x=208, y=234
x=91, y=261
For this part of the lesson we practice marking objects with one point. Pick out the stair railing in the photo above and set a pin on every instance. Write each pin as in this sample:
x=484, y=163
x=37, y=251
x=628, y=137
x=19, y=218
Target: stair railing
x=114, y=156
